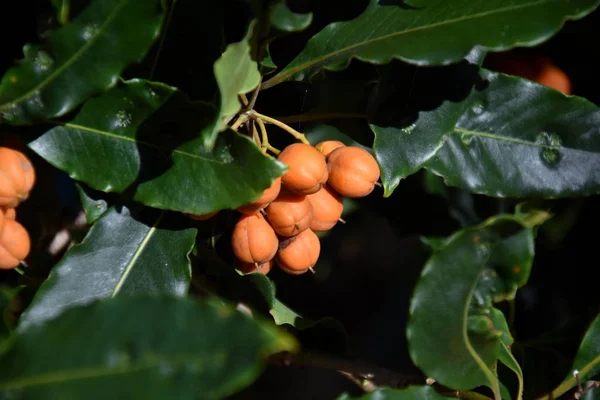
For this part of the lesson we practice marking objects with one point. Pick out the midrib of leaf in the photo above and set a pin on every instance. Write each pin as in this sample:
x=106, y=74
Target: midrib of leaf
x=93, y=373
x=132, y=140
x=70, y=61
x=137, y=255
x=517, y=141
x=489, y=374
x=284, y=75
x=519, y=373
x=569, y=383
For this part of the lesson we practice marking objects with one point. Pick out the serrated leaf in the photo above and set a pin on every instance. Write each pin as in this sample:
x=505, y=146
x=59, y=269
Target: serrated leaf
x=521, y=139
x=284, y=19
x=410, y=393
x=93, y=205
x=140, y=347
x=124, y=253
x=143, y=137
x=432, y=32
x=587, y=361
x=457, y=322
x=236, y=73
x=78, y=60
x=411, y=110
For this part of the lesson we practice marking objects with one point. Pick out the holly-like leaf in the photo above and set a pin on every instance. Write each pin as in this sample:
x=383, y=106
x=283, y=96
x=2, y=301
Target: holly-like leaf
x=410, y=393
x=93, y=204
x=236, y=73
x=521, y=139
x=431, y=32
x=124, y=253
x=143, y=137
x=146, y=347
x=78, y=60
x=453, y=335
x=587, y=361
x=284, y=19
x=412, y=109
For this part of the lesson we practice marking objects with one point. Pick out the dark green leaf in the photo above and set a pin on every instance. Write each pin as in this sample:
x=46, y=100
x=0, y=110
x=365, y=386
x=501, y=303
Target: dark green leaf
x=587, y=360
x=451, y=331
x=410, y=393
x=93, y=205
x=6, y=296
x=123, y=253
x=79, y=60
x=284, y=19
x=151, y=348
x=412, y=109
x=521, y=139
x=62, y=10
x=432, y=32
x=143, y=137
x=320, y=132
x=236, y=73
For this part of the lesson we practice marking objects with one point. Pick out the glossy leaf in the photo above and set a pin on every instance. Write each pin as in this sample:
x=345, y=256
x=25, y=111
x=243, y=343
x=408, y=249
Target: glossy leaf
x=284, y=19
x=142, y=137
x=587, y=360
x=432, y=32
x=124, y=253
x=457, y=322
x=412, y=109
x=141, y=347
x=93, y=205
x=521, y=139
x=79, y=60
x=236, y=73
x=410, y=393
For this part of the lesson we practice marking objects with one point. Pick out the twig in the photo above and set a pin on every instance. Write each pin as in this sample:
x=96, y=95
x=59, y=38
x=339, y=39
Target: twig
x=241, y=119
x=289, y=129
x=250, y=106
x=265, y=139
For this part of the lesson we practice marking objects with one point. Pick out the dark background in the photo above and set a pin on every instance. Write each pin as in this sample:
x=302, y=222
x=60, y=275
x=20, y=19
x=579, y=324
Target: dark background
x=369, y=265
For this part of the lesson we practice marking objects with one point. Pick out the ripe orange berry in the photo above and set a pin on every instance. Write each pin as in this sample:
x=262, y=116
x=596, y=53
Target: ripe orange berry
x=9, y=213
x=299, y=253
x=1, y=220
x=17, y=177
x=247, y=268
x=353, y=171
x=290, y=213
x=264, y=200
x=253, y=240
x=15, y=244
x=554, y=77
x=327, y=209
x=203, y=217
x=327, y=146
x=307, y=168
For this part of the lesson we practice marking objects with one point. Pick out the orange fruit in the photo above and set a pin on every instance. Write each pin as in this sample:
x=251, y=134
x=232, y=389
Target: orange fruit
x=253, y=240
x=327, y=146
x=353, y=172
x=307, y=168
x=9, y=213
x=553, y=77
x=203, y=217
x=264, y=200
x=247, y=268
x=17, y=177
x=290, y=213
x=15, y=244
x=299, y=253
x=327, y=209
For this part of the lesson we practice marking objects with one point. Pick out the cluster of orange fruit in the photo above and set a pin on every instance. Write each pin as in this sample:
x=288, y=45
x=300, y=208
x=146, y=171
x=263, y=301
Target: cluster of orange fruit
x=17, y=177
x=279, y=227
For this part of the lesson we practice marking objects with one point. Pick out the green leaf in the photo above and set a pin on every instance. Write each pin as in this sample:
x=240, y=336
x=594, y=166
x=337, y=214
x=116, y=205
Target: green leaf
x=62, y=10
x=587, y=360
x=140, y=347
x=521, y=139
x=410, y=393
x=432, y=32
x=79, y=60
x=143, y=137
x=284, y=19
x=93, y=204
x=320, y=132
x=124, y=253
x=453, y=334
x=6, y=297
x=412, y=109
x=236, y=73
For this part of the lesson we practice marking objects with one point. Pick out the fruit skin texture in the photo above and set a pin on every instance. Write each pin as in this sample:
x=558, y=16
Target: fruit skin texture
x=327, y=209
x=264, y=200
x=9, y=213
x=290, y=213
x=15, y=244
x=203, y=217
x=299, y=253
x=327, y=146
x=307, y=168
x=253, y=240
x=1, y=220
x=248, y=268
x=353, y=171
x=17, y=177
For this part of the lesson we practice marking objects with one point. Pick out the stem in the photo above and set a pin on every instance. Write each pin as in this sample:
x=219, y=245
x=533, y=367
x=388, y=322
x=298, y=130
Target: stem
x=255, y=135
x=299, y=136
x=265, y=139
x=254, y=95
x=244, y=100
x=241, y=119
